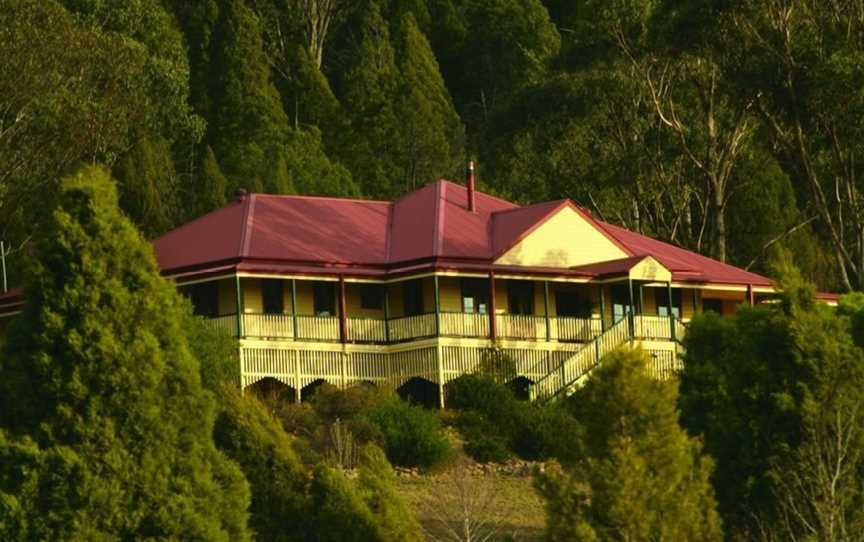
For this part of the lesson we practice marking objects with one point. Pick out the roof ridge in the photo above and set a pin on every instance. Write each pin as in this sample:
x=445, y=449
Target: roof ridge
x=557, y=202
x=328, y=198
x=248, y=224
x=438, y=224
x=484, y=194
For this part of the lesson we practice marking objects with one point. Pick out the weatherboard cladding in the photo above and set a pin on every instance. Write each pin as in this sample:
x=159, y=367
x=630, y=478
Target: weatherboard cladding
x=432, y=224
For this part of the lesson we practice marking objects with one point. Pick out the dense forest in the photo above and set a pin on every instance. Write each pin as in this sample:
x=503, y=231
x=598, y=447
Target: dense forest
x=730, y=128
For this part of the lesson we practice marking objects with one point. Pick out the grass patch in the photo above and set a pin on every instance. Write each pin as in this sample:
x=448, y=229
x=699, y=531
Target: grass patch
x=517, y=506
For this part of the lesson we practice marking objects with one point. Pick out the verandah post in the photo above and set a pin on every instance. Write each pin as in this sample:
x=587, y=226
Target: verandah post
x=492, y=312
x=343, y=309
x=546, y=309
x=387, y=313
x=238, y=293
x=632, y=319
x=294, y=306
x=437, y=306
x=602, y=309
x=671, y=314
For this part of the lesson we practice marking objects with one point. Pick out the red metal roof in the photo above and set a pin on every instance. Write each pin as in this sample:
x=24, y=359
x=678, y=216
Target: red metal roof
x=431, y=224
x=684, y=264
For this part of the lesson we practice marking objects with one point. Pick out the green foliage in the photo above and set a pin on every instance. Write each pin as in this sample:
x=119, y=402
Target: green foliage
x=431, y=132
x=339, y=511
x=148, y=186
x=376, y=482
x=758, y=386
x=210, y=187
x=247, y=125
x=98, y=385
x=642, y=477
x=217, y=353
x=410, y=435
x=496, y=425
x=247, y=434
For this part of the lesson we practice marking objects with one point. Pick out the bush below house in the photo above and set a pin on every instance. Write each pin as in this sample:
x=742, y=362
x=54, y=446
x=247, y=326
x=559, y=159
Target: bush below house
x=497, y=426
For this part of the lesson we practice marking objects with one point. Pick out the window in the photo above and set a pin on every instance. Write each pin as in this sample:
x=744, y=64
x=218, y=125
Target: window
x=324, y=298
x=621, y=301
x=271, y=291
x=371, y=296
x=475, y=296
x=662, y=296
x=205, y=299
x=712, y=305
x=413, y=297
x=520, y=296
x=572, y=304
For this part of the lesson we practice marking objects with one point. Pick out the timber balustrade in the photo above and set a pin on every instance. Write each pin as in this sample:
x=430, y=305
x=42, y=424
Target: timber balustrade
x=270, y=326
x=653, y=327
x=224, y=324
x=520, y=326
x=412, y=327
x=449, y=324
x=367, y=330
x=322, y=328
x=459, y=324
x=567, y=328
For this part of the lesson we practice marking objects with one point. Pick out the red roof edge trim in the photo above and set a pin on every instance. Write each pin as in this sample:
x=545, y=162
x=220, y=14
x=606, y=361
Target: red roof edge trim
x=440, y=213
x=248, y=226
x=599, y=227
x=552, y=212
x=388, y=232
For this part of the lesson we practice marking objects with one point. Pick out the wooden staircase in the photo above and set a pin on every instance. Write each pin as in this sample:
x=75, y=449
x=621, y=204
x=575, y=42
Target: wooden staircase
x=577, y=367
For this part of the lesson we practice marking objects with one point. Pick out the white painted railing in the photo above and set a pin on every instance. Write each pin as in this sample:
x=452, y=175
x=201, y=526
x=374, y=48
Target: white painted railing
x=520, y=326
x=568, y=328
x=224, y=324
x=580, y=363
x=269, y=326
x=369, y=330
x=325, y=328
x=459, y=324
x=652, y=327
x=412, y=327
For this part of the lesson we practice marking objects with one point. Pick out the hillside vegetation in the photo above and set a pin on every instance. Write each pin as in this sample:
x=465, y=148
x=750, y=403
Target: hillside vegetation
x=728, y=128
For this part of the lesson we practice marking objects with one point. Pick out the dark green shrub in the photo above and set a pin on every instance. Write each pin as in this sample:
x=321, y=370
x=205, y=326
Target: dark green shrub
x=547, y=431
x=331, y=403
x=247, y=434
x=338, y=510
x=496, y=425
x=479, y=393
x=483, y=441
x=410, y=435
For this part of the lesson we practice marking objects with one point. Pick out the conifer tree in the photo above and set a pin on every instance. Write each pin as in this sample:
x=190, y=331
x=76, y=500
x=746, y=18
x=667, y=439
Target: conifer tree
x=247, y=124
x=106, y=429
x=210, y=186
x=148, y=186
x=431, y=131
x=642, y=478
x=250, y=436
x=377, y=485
x=368, y=89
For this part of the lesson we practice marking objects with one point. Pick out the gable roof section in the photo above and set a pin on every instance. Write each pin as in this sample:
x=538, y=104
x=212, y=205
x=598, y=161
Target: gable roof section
x=564, y=237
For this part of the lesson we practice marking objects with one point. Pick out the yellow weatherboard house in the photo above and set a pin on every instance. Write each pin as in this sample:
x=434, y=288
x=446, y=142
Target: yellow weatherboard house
x=410, y=294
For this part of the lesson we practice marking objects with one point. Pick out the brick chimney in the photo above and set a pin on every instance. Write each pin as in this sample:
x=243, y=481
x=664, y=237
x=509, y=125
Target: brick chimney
x=469, y=184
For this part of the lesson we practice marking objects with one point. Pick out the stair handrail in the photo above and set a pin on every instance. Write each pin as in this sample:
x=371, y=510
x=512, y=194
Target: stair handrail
x=610, y=339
